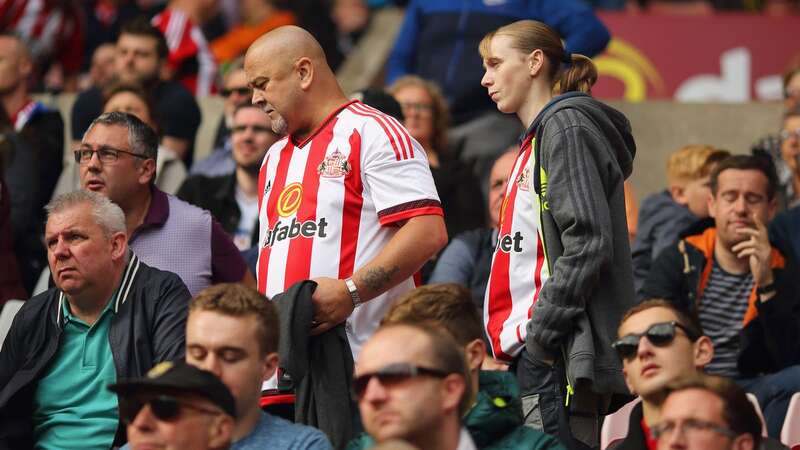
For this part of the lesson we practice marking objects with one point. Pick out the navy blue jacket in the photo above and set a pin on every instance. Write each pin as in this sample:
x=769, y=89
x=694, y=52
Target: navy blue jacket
x=439, y=41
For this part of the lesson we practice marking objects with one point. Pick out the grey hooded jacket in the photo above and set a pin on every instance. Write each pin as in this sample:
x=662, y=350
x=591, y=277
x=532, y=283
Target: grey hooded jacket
x=583, y=153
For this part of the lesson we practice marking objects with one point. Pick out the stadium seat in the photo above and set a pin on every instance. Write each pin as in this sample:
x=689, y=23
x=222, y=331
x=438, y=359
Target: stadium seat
x=7, y=316
x=754, y=401
x=615, y=426
x=790, y=435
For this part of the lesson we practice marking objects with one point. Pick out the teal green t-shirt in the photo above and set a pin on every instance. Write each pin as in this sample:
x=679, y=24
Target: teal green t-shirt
x=72, y=406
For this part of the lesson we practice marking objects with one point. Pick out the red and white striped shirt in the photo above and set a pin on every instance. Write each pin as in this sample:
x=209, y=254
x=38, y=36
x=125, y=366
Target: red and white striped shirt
x=519, y=267
x=189, y=56
x=328, y=205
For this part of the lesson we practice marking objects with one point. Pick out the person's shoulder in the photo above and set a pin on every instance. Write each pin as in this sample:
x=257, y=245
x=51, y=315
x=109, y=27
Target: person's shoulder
x=282, y=434
x=90, y=96
x=38, y=306
x=173, y=90
x=150, y=276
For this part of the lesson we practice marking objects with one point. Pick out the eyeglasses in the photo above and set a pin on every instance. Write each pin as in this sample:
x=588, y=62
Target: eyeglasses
x=164, y=407
x=242, y=91
x=255, y=128
x=659, y=334
x=417, y=107
x=105, y=154
x=787, y=134
x=391, y=375
x=689, y=427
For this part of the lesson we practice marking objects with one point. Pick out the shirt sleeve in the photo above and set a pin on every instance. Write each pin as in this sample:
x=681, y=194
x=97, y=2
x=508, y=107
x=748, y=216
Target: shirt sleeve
x=227, y=264
x=396, y=174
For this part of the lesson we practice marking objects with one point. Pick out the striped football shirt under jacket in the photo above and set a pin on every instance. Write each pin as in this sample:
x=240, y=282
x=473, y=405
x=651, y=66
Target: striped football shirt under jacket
x=721, y=311
x=328, y=205
x=519, y=268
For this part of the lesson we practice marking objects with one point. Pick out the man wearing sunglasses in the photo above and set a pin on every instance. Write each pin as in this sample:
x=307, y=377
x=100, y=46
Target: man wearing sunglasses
x=658, y=344
x=411, y=383
x=707, y=413
x=743, y=290
x=176, y=407
x=117, y=159
x=110, y=316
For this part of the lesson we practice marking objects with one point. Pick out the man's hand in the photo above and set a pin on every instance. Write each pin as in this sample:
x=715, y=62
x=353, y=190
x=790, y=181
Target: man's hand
x=759, y=251
x=332, y=304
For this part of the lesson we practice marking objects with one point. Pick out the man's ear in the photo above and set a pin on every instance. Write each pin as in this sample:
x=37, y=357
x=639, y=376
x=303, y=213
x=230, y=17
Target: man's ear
x=305, y=72
x=703, y=352
x=454, y=386
x=220, y=431
x=269, y=365
x=147, y=171
x=535, y=60
x=119, y=245
x=743, y=442
x=678, y=194
x=476, y=353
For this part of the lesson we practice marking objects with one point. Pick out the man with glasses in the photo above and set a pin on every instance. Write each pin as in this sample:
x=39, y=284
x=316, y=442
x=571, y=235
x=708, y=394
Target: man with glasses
x=658, y=344
x=176, y=406
x=741, y=288
x=783, y=230
x=117, y=158
x=707, y=413
x=412, y=383
x=109, y=316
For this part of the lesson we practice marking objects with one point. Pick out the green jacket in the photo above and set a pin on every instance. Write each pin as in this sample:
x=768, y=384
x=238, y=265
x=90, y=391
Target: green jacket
x=495, y=421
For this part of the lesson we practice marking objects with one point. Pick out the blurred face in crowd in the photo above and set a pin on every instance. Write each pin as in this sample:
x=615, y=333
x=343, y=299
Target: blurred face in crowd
x=251, y=136
x=130, y=103
x=408, y=408
x=696, y=422
x=119, y=180
x=349, y=15
x=81, y=255
x=199, y=425
x=15, y=66
x=235, y=91
x=137, y=58
x=790, y=142
x=741, y=195
x=417, y=107
x=498, y=182
x=653, y=366
x=228, y=347
x=508, y=75
x=792, y=94
x=694, y=194
x=102, y=68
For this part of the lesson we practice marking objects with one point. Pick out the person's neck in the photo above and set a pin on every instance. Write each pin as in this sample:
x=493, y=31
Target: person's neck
x=651, y=411
x=247, y=182
x=88, y=306
x=431, y=153
x=475, y=382
x=320, y=111
x=14, y=101
x=728, y=260
x=539, y=95
x=444, y=437
x=136, y=210
x=247, y=423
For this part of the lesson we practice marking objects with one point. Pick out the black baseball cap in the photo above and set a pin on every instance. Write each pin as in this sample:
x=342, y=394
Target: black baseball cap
x=178, y=376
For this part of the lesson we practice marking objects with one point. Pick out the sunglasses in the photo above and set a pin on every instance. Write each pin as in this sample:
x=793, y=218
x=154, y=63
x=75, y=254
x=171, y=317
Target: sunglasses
x=242, y=91
x=391, y=375
x=659, y=334
x=164, y=407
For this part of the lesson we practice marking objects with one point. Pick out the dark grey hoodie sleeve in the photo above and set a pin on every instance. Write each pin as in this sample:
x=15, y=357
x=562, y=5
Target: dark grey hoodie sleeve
x=578, y=178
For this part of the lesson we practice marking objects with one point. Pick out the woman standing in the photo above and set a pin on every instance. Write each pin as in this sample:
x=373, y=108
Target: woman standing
x=561, y=274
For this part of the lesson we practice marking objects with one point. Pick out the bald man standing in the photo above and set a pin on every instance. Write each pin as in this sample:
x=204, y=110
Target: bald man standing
x=346, y=198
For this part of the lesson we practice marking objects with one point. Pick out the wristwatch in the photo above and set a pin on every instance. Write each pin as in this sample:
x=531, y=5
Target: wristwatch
x=351, y=288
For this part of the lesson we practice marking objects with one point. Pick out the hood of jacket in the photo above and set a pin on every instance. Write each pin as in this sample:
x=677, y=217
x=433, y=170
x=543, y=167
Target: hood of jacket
x=497, y=409
x=612, y=123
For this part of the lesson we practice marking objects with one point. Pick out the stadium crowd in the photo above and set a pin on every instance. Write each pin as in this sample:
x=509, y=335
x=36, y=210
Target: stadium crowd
x=450, y=262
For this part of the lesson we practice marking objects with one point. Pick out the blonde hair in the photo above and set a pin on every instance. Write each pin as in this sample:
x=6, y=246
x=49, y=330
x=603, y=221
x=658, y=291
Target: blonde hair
x=692, y=162
x=441, y=113
x=567, y=71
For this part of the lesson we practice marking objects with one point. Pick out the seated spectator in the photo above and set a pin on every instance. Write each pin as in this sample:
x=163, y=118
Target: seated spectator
x=189, y=60
x=233, y=332
x=739, y=286
x=176, y=406
x=257, y=18
x=427, y=119
x=658, y=344
x=790, y=155
x=141, y=55
x=101, y=71
x=665, y=215
x=109, y=316
x=412, y=383
x=491, y=423
x=236, y=93
x=33, y=171
x=233, y=199
x=772, y=145
x=783, y=233
x=117, y=158
x=351, y=19
x=707, y=413
x=467, y=260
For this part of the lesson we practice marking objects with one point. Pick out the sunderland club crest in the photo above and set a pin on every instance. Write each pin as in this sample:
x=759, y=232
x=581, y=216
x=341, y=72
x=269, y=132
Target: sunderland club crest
x=524, y=179
x=334, y=165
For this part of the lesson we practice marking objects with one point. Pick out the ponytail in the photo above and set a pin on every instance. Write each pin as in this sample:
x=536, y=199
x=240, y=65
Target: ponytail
x=579, y=75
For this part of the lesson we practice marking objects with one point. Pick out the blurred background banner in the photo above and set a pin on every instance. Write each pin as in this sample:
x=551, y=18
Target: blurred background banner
x=718, y=58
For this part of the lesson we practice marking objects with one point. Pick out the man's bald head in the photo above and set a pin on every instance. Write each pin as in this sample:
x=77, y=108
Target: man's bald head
x=290, y=43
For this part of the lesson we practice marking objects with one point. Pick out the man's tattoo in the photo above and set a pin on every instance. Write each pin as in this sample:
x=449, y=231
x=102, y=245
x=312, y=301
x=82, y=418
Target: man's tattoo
x=376, y=279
